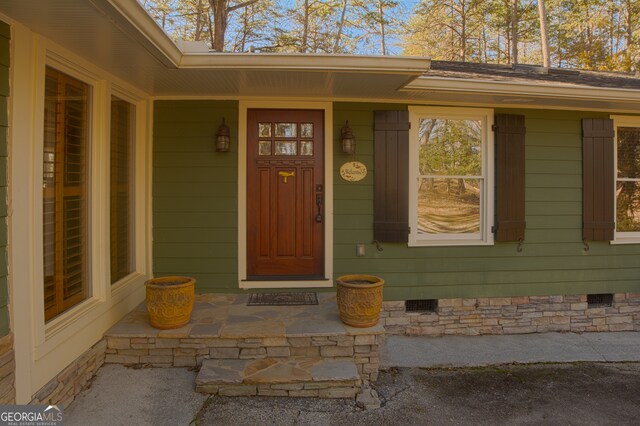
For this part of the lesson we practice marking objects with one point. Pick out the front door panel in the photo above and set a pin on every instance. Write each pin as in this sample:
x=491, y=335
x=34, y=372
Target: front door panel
x=285, y=194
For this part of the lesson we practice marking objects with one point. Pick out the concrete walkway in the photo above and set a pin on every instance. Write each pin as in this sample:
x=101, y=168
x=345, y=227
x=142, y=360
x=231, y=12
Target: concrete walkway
x=462, y=351
x=166, y=396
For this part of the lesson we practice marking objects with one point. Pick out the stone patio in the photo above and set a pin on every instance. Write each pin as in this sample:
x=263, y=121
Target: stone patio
x=302, y=350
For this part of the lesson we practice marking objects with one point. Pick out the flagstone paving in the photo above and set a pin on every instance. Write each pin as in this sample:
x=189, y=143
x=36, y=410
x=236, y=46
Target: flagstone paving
x=228, y=316
x=289, y=350
x=307, y=377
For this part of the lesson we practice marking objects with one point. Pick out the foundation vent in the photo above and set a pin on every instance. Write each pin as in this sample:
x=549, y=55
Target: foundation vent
x=599, y=300
x=421, y=305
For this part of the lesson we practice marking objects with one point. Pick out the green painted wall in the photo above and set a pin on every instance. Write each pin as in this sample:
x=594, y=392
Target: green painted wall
x=195, y=200
x=553, y=260
x=195, y=214
x=5, y=35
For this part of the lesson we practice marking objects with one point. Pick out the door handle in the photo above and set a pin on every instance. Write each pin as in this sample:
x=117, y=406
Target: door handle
x=319, y=204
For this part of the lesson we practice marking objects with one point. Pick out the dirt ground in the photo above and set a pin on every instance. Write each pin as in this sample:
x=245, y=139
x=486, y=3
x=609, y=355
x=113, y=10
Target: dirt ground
x=539, y=394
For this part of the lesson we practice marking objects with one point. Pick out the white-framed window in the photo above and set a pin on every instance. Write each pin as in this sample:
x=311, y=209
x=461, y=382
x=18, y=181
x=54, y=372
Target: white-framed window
x=627, y=179
x=60, y=204
x=65, y=191
x=450, y=176
x=122, y=188
x=93, y=202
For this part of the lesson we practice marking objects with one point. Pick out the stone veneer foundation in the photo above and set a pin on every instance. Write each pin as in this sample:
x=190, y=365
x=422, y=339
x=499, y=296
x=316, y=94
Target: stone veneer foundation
x=64, y=388
x=468, y=316
x=514, y=315
x=7, y=370
x=363, y=349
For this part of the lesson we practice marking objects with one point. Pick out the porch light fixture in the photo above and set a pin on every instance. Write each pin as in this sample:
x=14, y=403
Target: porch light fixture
x=348, y=140
x=222, y=138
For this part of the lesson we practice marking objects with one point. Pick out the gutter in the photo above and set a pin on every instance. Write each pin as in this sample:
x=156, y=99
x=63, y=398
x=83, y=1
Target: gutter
x=162, y=47
x=310, y=62
x=534, y=90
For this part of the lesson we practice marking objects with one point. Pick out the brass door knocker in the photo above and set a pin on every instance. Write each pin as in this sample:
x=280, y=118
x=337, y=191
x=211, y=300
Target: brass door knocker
x=286, y=175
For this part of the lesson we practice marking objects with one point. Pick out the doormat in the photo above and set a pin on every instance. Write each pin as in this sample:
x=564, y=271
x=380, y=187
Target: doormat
x=282, y=299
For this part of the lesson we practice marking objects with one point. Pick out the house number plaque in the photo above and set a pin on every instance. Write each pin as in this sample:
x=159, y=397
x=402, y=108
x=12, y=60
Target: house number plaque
x=353, y=171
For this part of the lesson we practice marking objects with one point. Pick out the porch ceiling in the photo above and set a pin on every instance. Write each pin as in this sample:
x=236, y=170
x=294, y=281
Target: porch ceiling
x=119, y=36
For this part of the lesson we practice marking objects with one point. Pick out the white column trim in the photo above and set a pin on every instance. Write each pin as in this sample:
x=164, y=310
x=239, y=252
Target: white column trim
x=21, y=221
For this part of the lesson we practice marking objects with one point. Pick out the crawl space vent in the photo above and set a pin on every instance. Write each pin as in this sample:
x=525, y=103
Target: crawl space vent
x=421, y=305
x=599, y=300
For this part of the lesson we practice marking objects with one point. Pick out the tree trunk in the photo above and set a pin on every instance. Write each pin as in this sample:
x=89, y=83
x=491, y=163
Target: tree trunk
x=305, y=28
x=629, y=36
x=210, y=29
x=463, y=32
x=199, y=21
x=514, y=33
x=461, y=187
x=219, y=8
x=383, y=47
x=245, y=26
x=336, y=44
x=544, y=38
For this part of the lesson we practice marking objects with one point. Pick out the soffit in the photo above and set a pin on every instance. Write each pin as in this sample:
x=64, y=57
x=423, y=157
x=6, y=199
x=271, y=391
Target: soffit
x=119, y=37
x=127, y=44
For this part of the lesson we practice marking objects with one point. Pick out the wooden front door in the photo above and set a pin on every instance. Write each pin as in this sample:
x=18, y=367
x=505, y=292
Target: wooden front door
x=285, y=194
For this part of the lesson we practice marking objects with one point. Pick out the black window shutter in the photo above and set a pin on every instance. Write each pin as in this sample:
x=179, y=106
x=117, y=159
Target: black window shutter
x=391, y=183
x=598, y=180
x=509, y=140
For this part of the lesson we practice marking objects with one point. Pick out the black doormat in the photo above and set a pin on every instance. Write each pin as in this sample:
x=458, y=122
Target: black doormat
x=282, y=299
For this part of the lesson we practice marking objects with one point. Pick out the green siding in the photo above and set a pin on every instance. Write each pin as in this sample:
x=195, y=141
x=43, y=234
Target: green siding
x=195, y=193
x=553, y=260
x=195, y=214
x=5, y=32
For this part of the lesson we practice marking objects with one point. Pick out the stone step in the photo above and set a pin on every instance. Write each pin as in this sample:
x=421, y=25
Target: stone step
x=294, y=377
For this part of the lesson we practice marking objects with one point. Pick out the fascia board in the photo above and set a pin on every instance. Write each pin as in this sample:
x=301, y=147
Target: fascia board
x=559, y=91
x=309, y=62
x=133, y=12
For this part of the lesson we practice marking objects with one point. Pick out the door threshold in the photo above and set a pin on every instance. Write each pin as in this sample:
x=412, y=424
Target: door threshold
x=286, y=278
x=311, y=283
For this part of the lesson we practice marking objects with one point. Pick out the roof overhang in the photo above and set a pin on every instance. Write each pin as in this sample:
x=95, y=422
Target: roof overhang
x=526, y=94
x=121, y=38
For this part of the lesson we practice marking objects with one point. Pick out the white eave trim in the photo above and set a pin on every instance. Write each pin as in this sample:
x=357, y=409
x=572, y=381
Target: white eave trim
x=519, y=88
x=309, y=62
x=140, y=19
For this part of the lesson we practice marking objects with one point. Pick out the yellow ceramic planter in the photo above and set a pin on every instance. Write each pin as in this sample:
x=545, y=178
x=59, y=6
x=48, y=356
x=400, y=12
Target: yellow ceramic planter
x=170, y=301
x=359, y=299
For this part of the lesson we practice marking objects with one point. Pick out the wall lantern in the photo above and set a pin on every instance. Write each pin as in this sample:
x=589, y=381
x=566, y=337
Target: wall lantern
x=222, y=138
x=348, y=140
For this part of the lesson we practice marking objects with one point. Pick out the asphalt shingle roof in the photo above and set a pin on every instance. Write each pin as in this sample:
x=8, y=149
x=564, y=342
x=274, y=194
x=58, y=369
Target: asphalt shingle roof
x=533, y=73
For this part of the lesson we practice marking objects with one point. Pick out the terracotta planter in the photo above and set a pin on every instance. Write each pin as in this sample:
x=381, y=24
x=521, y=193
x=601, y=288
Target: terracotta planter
x=359, y=299
x=170, y=301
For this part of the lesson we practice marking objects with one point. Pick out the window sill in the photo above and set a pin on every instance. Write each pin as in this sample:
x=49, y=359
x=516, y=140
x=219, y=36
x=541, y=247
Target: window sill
x=53, y=327
x=449, y=243
x=623, y=241
x=69, y=323
x=119, y=289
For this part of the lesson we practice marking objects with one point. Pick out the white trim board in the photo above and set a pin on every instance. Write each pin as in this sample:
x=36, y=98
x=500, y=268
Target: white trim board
x=43, y=350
